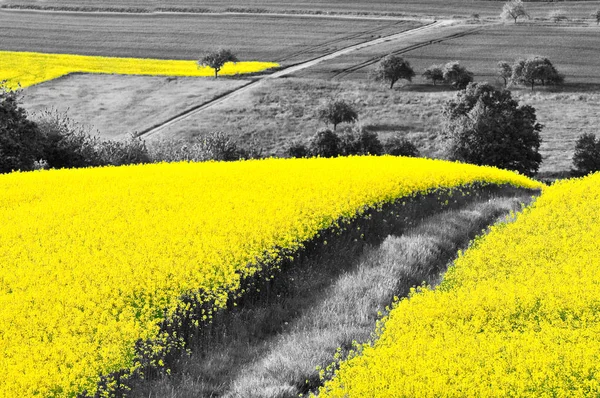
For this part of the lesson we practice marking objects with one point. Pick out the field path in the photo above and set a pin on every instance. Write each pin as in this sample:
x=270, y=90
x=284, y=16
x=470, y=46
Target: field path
x=288, y=71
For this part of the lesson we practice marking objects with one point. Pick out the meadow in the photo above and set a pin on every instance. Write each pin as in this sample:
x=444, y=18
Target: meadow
x=96, y=260
x=503, y=322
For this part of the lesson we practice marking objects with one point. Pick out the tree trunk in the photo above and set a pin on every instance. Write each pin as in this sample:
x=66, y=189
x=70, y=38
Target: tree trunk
x=216, y=73
x=392, y=85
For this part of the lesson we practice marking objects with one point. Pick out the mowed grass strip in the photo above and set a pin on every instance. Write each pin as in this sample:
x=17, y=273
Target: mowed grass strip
x=94, y=260
x=517, y=314
x=286, y=40
x=26, y=68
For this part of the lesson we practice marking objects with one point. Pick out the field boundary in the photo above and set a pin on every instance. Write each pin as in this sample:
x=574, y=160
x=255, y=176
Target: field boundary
x=287, y=71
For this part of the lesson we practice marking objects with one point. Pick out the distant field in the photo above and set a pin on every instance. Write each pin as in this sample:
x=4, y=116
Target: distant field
x=574, y=50
x=116, y=105
x=438, y=8
x=252, y=37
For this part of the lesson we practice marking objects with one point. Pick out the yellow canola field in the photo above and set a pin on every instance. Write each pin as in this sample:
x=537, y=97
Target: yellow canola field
x=28, y=68
x=90, y=258
x=518, y=315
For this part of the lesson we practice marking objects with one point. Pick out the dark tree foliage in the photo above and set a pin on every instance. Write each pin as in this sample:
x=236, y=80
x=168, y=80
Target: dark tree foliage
x=435, y=73
x=393, y=68
x=21, y=142
x=457, y=75
x=297, y=150
x=587, y=155
x=217, y=59
x=399, y=146
x=596, y=16
x=336, y=112
x=361, y=143
x=505, y=72
x=486, y=126
x=536, y=70
x=325, y=143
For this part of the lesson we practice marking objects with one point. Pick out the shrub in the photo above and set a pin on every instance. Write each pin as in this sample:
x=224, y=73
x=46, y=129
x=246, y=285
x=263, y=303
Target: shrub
x=297, y=150
x=118, y=153
x=399, y=146
x=212, y=146
x=336, y=112
x=587, y=155
x=457, y=75
x=486, y=126
x=558, y=15
x=325, y=143
x=361, y=142
x=66, y=143
x=21, y=142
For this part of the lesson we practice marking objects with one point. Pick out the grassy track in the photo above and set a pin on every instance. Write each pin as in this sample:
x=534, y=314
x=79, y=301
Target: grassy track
x=166, y=36
x=410, y=7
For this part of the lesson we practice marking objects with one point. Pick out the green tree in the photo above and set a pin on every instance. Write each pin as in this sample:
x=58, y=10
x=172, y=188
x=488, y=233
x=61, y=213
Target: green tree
x=217, y=59
x=514, y=9
x=399, y=146
x=435, y=73
x=336, y=112
x=393, y=68
x=587, y=155
x=534, y=70
x=486, y=126
x=21, y=142
x=325, y=143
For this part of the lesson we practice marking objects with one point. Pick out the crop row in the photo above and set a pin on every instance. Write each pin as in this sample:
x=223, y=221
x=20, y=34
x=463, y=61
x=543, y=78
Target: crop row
x=94, y=260
x=517, y=315
x=27, y=68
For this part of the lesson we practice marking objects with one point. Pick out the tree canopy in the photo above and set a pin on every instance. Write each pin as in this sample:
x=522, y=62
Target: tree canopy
x=393, y=68
x=336, y=112
x=217, y=59
x=514, y=9
x=536, y=70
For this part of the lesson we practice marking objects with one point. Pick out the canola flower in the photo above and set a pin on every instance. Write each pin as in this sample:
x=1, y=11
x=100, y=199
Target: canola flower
x=91, y=260
x=517, y=315
x=29, y=68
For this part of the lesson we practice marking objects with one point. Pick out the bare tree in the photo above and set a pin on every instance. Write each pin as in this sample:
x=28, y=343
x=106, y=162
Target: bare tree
x=217, y=59
x=393, y=68
x=514, y=9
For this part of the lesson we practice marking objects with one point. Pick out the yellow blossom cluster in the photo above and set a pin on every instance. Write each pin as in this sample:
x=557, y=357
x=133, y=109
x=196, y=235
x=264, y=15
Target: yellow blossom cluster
x=29, y=68
x=518, y=315
x=91, y=260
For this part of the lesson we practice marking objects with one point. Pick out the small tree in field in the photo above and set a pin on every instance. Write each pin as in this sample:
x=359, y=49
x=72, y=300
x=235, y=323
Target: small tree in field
x=505, y=72
x=325, y=143
x=336, y=112
x=486, y=126
x=217, y=59
x=596, y=16
x=434, y=73
x=457, y=75
x=514, y=9
x=393, y=68
x=536, y=70
x=587, y=155
x=558, y=15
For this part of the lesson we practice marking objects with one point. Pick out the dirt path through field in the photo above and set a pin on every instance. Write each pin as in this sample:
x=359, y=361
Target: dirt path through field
x=435, y=25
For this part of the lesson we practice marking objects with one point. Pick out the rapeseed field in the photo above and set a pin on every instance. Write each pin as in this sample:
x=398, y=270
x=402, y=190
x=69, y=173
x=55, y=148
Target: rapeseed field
x=92, y=260
x=517, y=315
x=29, y=68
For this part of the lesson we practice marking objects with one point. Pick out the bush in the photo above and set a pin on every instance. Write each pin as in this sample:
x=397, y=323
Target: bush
x=457, y=75
x=120, y=153
x=325, y=143
x=21, y=142
x=361, y=142
x=399, y=146
x=558, y=15
x=297, y=150
x=587, y=155
x=434, y=73
x=486, y=126
x=66, y=143
x=213, y=146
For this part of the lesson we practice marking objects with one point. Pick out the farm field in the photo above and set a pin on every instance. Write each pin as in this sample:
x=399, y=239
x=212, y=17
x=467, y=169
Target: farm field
x=147, y=235
x=436, y=8
x=115, y=105
x=573, y=50
x=504, y=321
x=285, y=40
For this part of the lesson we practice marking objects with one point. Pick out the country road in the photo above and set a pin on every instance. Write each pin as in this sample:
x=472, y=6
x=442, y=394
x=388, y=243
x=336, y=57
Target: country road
x=288, y=71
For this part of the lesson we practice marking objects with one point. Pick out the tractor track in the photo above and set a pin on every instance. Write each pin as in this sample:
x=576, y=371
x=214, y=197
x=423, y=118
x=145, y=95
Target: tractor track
x=345, y=72
x=149, y=132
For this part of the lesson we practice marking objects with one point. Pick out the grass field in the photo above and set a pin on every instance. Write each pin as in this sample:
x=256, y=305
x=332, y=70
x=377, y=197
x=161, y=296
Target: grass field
x=284, y=40
x=412, y=7
x=573, y=50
